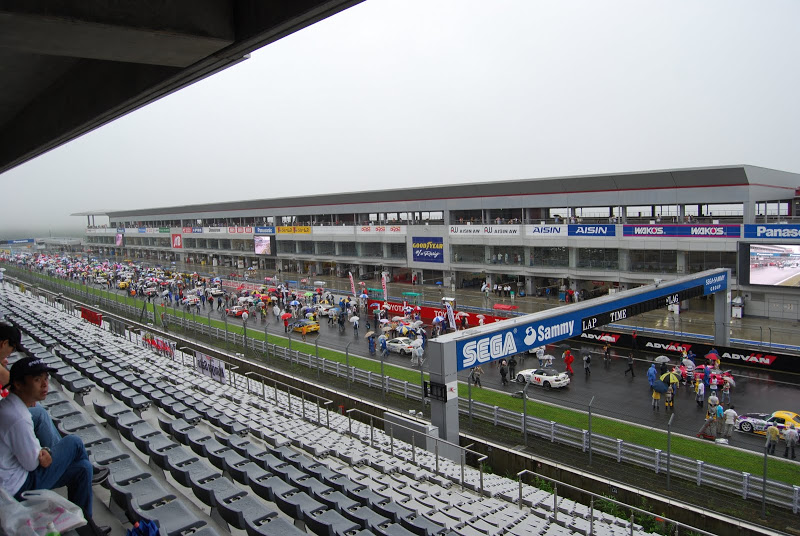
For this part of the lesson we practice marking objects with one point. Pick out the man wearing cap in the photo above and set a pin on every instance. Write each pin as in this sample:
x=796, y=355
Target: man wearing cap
x=47, y=461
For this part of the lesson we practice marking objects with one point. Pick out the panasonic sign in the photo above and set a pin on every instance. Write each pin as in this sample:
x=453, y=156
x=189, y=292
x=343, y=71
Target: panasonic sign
x=780, y=231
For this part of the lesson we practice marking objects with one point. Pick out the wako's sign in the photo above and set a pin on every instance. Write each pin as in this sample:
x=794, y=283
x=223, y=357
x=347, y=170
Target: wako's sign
x=688, y=231
x=427, y=249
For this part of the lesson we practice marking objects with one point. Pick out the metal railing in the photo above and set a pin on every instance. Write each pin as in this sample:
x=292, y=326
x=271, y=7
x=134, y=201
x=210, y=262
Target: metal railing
x=700, y=472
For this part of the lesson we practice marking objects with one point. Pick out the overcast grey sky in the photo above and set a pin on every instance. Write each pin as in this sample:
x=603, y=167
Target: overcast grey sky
x=394, y=93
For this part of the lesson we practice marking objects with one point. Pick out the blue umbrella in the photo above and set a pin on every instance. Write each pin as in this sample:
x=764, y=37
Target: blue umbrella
x=659, y=386
x=376, y=305
x=438, y=319
x=365, y=296
x=334, y=310
x=294, y=302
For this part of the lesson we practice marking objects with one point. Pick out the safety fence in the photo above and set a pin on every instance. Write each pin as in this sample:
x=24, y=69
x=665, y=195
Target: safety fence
x=658, y=461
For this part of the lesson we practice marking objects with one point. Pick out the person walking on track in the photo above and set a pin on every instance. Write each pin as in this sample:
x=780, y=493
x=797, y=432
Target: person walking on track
x=630, y=366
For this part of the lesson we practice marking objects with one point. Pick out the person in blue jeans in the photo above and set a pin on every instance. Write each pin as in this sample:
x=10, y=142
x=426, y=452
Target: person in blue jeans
x=33, y=455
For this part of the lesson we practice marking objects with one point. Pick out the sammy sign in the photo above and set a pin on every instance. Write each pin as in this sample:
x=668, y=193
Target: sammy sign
x=514, y=340
x=427, y=249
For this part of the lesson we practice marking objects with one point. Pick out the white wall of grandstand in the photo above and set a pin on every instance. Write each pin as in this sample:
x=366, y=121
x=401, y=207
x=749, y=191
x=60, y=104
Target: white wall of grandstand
x=590, y=233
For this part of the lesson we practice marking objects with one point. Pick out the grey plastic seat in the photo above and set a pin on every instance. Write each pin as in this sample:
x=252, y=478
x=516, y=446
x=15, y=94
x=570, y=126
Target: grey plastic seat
x=212, y=491
x=366, y=517
x=270, y=487
x=297, y=504
x=239, y=510
x=174, y=519
x=273, y=526
x=330, y=523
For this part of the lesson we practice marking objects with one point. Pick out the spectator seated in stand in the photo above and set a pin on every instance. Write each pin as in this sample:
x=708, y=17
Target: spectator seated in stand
x=35, y=456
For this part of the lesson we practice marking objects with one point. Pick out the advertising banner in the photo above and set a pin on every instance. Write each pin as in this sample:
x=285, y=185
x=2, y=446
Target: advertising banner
x=121, y=230
x=346, y=230
x=382, y=229
x=177, y=241
x=383, y=284
x=471, y=351
x=211, y=367
x=494, y=230
x=240, y=230
x=163, y=230
x=427, y=314
x=92, y=316
x=591, y=230
x=162, y=346
x=214, y=230
x=427, y=249
x=296, y=229
x=673, y=347
x=546, y=231
x=687, y=231
x=352, y=284
x=770, y=231
x=269, y=230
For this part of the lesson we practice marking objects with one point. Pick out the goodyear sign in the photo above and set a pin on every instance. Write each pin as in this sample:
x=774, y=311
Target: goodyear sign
x=427, y=249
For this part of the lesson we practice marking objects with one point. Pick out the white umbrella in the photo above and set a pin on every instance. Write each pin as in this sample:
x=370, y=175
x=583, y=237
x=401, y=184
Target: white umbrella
x=481, y=317
x=417, y=324
x=353, y=319
x=662, y=359
x=416, y=343
x=384, y=321
x=461, y=314
x=397, y=318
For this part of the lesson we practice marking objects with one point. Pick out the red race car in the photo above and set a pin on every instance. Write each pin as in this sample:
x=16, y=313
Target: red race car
x=720, y=375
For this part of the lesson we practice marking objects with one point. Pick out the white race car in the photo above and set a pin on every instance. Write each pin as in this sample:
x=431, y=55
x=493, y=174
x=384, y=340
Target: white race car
x=546, y=377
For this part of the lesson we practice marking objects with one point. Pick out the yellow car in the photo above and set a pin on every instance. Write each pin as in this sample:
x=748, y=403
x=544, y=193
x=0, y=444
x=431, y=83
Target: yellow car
x=758, y=423
x=123, y=284
x=309, y=324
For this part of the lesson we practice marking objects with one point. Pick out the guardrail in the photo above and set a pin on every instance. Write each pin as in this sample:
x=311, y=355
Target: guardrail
x=750, y=487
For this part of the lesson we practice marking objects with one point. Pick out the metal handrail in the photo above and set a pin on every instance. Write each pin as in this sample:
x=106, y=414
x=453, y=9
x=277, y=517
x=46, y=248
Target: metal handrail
x=319, y=399
x=592, y=496
x=481, y=457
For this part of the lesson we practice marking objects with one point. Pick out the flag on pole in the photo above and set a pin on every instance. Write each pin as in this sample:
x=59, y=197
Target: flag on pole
x=383, y=282
x=352, y=285
x=451, y=319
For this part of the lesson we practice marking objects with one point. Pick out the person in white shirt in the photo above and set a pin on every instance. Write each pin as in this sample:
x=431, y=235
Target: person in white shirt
x=48, y=461
x=729, y=417
x=790, y=435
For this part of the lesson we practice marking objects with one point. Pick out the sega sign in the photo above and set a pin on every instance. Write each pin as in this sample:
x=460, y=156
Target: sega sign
x=780, y=231
x=688, y=231
x=591, y=230
x=523, y=336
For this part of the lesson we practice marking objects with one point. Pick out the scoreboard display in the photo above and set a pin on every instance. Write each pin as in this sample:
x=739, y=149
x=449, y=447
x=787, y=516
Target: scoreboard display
x=671, y=298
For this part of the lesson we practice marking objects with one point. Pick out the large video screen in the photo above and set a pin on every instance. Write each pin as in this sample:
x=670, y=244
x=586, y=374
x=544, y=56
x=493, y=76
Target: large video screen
x=775, y=265
x=119, y=239
x=264, y=245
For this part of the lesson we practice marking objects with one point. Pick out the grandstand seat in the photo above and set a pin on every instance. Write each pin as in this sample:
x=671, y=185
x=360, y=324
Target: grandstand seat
x=330, y=523
x=173, y=518
x=273, y=526
x=365, y=516
x=297, y=504
x=240, y=510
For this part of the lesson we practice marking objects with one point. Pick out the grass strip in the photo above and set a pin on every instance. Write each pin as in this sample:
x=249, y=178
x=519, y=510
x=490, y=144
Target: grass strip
x=721, y=456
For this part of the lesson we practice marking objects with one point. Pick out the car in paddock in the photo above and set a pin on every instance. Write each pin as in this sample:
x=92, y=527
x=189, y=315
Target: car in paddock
x=546, y=377
x=311, y=325
x=400, y=345
x=236, y=310
x=757, y=423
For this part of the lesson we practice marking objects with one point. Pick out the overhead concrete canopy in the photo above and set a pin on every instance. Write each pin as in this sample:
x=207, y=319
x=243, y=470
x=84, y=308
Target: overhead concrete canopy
x=70, y=66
